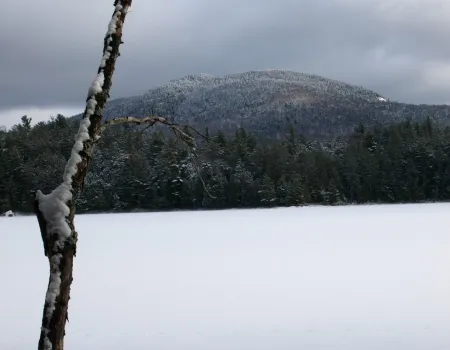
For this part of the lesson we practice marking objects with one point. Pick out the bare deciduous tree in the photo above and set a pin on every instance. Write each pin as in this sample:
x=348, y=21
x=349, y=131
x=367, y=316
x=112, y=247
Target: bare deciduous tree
x=56, y=211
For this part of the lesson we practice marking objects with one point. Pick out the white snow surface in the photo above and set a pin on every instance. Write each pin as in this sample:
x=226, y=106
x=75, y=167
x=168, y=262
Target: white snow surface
x=317, y=278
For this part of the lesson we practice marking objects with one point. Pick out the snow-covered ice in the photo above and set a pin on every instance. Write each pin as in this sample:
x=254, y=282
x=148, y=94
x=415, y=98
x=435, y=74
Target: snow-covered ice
x=344, y=278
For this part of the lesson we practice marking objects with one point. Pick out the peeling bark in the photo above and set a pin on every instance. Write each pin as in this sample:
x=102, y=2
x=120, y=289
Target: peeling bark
x=60, y=248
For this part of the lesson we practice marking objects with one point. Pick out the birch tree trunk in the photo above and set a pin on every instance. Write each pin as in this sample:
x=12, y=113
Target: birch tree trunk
x=56, y=211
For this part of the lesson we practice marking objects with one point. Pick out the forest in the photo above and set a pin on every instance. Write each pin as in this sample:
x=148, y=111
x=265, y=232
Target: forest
x=135, y=168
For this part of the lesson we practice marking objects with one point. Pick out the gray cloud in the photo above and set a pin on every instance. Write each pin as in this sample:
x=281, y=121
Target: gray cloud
x=51, y=50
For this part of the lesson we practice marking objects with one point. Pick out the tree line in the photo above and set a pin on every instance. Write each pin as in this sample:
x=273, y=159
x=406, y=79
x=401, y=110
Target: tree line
x=134, y=169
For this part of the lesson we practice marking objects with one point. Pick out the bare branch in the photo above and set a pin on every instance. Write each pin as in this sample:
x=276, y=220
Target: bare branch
x=132, y=120
x=177, y=130
x=150, y=120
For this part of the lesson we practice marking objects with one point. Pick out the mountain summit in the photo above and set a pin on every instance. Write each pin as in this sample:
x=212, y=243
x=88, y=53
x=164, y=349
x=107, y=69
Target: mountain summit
x=268, y=103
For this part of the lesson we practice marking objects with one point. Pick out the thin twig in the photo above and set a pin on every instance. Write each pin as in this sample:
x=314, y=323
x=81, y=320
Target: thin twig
x=150, y=120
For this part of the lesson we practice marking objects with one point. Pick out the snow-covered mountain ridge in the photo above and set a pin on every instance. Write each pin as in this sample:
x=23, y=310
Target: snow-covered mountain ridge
x=269, y=102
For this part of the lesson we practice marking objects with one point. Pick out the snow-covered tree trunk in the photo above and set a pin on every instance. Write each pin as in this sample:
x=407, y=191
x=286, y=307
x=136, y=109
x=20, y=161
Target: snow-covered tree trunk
x=56, y=211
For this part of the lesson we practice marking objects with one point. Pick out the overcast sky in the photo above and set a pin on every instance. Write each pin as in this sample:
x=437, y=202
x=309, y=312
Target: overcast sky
x=50, y=49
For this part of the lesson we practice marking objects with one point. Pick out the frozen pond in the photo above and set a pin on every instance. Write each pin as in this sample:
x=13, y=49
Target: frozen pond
x=343, y=278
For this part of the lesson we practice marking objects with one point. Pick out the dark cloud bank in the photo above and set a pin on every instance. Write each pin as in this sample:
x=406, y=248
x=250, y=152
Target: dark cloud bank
x=51, y=49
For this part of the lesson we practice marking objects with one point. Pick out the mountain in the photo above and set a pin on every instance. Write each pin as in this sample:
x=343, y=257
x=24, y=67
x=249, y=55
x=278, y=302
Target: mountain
x=268, y=103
